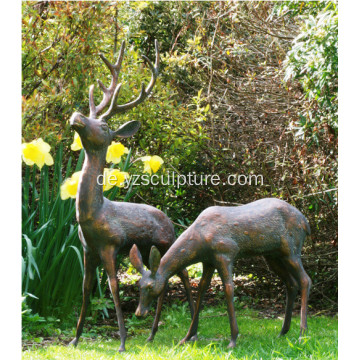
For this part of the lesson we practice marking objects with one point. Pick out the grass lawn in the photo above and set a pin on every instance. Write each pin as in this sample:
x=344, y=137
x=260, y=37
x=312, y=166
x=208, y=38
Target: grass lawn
x=257, y=340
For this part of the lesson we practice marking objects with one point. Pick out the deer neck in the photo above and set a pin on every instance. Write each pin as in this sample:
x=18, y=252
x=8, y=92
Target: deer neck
x=90, y=197
x=181, y=254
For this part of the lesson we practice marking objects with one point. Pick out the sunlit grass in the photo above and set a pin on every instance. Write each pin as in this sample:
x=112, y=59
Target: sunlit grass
x=258, y=339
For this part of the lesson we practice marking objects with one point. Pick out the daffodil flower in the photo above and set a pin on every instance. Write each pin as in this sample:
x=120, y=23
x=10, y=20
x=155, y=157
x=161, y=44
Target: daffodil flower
x=69, y=187
x=37, y=152
x=152, y=163
x=115, y=151
x=111, y=178
x=114, y=177
x=76, y=145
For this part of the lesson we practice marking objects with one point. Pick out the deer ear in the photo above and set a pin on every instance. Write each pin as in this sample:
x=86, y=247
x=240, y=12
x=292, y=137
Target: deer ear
x=154, y=260
x=127, y=130
x=136, y=259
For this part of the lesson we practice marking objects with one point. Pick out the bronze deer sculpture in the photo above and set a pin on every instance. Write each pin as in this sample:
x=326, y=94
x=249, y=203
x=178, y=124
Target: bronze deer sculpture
x=107, y=228
x=268, y=227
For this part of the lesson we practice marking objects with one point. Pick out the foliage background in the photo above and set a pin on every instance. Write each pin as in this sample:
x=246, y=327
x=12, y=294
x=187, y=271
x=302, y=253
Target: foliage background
x=245, y=88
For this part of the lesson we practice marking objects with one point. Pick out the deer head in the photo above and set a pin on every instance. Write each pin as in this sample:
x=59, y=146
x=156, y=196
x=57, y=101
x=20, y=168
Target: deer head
x=151, y=284
x=93, y=130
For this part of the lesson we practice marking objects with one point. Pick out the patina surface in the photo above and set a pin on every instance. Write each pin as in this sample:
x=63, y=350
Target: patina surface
x=268, y=227
x=107, y=228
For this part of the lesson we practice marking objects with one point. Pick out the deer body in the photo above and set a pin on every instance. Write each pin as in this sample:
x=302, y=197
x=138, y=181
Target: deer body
x=122, y=229
x=268, y=227
x=108, y=228
x=260, y=228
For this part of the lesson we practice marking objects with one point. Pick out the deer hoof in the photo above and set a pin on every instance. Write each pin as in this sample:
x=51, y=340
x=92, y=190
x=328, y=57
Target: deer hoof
x=73, y=342
x=150, y=338
x=301, y=339
x=302, y=335
x=232, y=344
x=194, y=338
x=282, y=333
x=121, y=349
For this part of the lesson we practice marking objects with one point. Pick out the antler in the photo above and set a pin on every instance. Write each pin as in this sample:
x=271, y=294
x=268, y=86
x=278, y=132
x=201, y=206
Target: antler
x=108, y=92
x=111, y=93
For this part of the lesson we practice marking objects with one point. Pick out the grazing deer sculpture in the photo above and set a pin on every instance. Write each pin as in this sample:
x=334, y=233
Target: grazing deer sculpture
x=268, y=227
x=106, y=227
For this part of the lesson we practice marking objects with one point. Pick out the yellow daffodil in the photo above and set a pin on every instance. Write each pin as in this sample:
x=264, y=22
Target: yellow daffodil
x=76, y=145
x=115, y=151
x=69, y=187
x=37, y=152
x=146, y=161
x=111, y=178
x=152, y=163
x=114, y=177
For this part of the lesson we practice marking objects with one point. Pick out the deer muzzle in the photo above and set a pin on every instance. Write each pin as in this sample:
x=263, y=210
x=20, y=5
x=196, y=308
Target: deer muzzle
x=140, y=312
x=76, y=122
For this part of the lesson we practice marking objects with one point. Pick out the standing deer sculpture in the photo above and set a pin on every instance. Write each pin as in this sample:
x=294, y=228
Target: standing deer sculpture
x=268, y=227
x=107, y=228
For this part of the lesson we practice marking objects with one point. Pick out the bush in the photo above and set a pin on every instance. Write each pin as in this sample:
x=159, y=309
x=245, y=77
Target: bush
x=313, y=61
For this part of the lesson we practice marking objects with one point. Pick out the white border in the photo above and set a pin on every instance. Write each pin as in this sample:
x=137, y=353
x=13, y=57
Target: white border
x=10, y=203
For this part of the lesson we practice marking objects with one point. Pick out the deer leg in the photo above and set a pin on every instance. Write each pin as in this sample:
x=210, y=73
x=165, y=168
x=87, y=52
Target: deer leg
x=208, y=271
x=225, y=271
x=109, y=261
x=295, y=266
x=292, y=289
x=185, y=280
x=157, y=315
x=91, y=262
